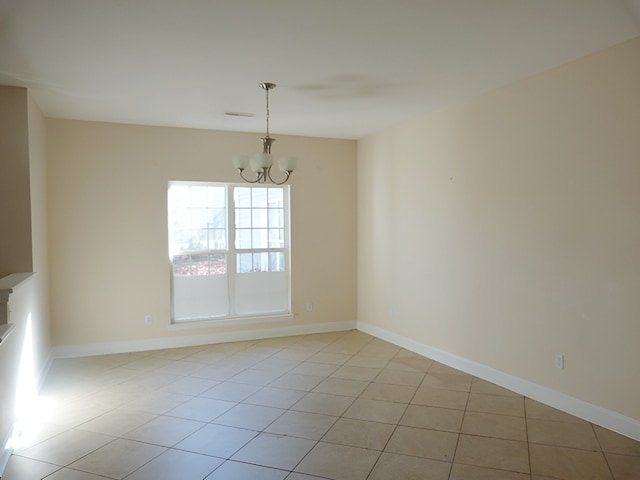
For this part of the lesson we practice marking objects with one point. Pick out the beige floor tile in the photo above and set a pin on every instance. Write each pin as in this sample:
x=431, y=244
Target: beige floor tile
x=130, y=456
x=36, y=433
x=294, y=353
x=296, y=381
x=315, y=369
x=180, y=367
x=190, y=385
x=492, y=453
x=437, y=367
x=470, y=472
x=117, y=422
x=624, y=467
x=253, y=417
x=356, y=373
x=497, y=426
x=537, y=410
x=158, y=403
x=66, y=447
x=220, y=372
x=409, y=361
x=275, y=397
x=201, y=409
x=389, y=393
x=176, y=464
x=338, y=462
x=165, y=431
x=252, y=376
x=439, y=397
x=359, y=433
x=69, y=474
x=21, y=468
x=302, y=424
x=399, y=377
x=488, y=388
x=341, y=386
x=217, y=440
x=233, y=392
x=364, y=360
x=615, y=443
x=420, y=442
x=562, y=434
x=448, y=381
x=568, y=463
x=499, y=405
x=324, y=403
x=278, y=365
x=331, y=358
x=277, y=451
x=392, y=466
x=231, y=470
x=434, y=418
x=376, y=411
x=302, y=476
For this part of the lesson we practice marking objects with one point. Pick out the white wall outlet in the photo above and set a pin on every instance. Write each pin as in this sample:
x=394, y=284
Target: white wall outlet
x=148, y=319
x=559, y=361
x=392, y=313
x=310, y=307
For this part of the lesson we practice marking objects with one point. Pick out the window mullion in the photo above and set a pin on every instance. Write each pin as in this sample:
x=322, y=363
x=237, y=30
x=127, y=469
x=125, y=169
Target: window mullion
x=232, y=257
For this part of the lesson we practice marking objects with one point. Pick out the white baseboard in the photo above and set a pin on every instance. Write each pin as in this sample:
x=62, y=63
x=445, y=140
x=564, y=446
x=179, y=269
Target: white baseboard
x=617, y=422
x=87, y=350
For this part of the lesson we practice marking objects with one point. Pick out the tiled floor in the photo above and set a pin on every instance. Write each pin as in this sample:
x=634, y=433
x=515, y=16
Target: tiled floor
x=341, y=406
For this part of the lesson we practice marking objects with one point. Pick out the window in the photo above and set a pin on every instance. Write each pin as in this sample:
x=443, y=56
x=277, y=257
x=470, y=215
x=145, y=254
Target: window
x=229, y=250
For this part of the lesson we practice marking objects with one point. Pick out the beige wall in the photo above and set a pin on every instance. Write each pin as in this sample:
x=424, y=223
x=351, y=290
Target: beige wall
x=108, y=224
x=505, y=229
x=15, y=233
x=39, y=235
x=23, y=248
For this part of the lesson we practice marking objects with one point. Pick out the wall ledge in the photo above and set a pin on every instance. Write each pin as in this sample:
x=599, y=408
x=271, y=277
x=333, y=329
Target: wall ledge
x=615, y=421
x=107, y=348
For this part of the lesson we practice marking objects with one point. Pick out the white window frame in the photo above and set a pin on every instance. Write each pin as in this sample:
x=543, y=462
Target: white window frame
x=232, y=274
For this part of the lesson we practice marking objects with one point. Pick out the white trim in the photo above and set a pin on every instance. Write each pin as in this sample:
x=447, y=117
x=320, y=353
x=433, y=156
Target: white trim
x=87, y=350
x=228, y=321
x=615, y=421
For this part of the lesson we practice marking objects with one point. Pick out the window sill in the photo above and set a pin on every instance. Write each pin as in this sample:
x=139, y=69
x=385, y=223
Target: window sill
x=229, y=321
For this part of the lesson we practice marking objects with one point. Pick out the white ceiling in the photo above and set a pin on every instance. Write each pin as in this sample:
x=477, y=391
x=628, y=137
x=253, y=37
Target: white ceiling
x=344, y=68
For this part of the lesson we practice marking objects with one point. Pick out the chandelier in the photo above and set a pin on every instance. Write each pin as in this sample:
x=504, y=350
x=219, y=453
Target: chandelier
x=261, y=163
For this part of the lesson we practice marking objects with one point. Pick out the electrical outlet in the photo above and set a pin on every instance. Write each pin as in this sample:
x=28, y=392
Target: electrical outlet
x=310, y=307
x=148, y=319
x=559, y=361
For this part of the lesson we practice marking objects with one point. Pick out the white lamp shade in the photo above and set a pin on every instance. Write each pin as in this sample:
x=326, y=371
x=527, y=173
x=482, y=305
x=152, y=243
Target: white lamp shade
x=260, y=162
x=288, y=164
x=240, y=161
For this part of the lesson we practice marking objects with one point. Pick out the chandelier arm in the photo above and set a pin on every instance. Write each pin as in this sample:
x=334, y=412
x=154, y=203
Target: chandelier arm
x=287, y=175
x=260, y=178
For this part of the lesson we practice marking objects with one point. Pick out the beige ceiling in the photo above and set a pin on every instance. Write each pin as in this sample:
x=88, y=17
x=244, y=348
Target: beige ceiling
x=344, y=68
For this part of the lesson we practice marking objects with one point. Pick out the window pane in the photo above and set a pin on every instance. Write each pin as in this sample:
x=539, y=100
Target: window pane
x=243, y=218
x=276, y=217
x=245, y=263
x=259, y=218
x=259, y=197
x=259, y=237
x=242, y=197
x=217, y=264
x=261, y=262
x=217, y=218
x=198, y=217
x=243, y=238
x=217, y=197
x=276, y=197
x=276, y=238
x=276, y=262
x=198, y=196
